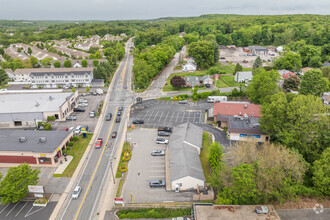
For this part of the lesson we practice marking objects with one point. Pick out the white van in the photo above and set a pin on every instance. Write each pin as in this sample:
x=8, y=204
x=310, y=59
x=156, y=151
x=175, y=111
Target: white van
x=213, y=99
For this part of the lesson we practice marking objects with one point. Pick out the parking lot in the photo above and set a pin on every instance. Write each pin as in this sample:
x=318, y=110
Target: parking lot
x=170, y=113
x=143, y=167
x=82, y=117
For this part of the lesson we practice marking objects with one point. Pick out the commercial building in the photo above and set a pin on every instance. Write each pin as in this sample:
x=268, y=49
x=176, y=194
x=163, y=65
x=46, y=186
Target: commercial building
x=53, y=77
x=185, y=168
x=33, y=147
x=25, y=110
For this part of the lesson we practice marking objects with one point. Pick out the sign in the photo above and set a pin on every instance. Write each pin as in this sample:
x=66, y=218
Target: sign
x=36, y=189
x=234, y=138
x=118, y=200
x=38, y=195
x=58, y=149
x=42, y=155
x=250, y=135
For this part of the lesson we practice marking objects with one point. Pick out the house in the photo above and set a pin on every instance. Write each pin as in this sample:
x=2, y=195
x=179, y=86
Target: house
x=33, y=147
x=326, y=98
x=184, y=169
x=259, y=50
x=192, y=81
x=326, y=64
x=24, y=110
x=206, y=80
x=97, y=82
x=305, y=69
x=189, y=67
x=285, y=73
x=243, y=77
x=123, y=35
x=77, y=65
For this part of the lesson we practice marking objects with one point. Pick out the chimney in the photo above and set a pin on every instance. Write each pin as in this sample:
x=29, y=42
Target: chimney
x=245, y=106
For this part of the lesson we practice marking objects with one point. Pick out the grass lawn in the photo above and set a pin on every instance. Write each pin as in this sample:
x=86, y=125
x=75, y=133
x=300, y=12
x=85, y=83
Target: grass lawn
x=77, y=152
x=169, y=88
x=226, y=81
x=153, y=213
x=122, y=162
x=204, y=155
x=121, y=182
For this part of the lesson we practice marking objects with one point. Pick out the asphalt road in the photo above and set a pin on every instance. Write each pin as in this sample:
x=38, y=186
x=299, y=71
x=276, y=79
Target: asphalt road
x=96, y=167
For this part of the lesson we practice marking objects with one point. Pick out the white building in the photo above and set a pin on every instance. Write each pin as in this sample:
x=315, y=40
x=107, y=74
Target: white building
x=189, y=67
x=243, y=76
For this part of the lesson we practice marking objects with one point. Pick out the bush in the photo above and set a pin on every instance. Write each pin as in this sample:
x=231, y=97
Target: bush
x=75, y=138
x=68, y=149
x=123, y=169
x=48, y=127
x=70, y=144
x=51, y=118
x=153, y=213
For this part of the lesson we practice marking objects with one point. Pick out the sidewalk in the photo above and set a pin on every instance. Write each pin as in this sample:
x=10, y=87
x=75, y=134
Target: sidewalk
x=63, y=164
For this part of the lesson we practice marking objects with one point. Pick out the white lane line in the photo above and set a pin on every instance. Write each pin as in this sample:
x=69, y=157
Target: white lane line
x=145, y=114
x=4, y=208
x=21, y=209
x=194, y=117
x=158, y=171
x=166, y=116
x=150, y=115
x=177, y=117
x=156, y=176
x=162, y=161
x=183, y=116
x=161, y=116
x=51, y=173
x=157, y=166
x=34, y=211
x=12, y=209
x=171, y=117
x=155, y=116
x=27, y=214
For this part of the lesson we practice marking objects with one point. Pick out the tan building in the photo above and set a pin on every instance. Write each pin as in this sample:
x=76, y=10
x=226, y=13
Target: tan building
x=25, y=110
x=33, y=147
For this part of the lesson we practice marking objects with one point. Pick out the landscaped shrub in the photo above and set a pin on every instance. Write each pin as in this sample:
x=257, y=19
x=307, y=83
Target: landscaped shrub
x=123, y=169
x=70, y=144
x=51, y=118
x=153, y=213
x=75, y=138
x=48, y=127
x=68, y=148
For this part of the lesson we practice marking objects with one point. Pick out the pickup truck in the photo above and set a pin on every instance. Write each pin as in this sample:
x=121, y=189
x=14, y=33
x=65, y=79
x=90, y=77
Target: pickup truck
x=167, y=129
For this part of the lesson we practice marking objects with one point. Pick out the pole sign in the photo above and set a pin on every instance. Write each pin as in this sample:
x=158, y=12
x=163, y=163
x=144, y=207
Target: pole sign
x=36, y=189
x=119, y=201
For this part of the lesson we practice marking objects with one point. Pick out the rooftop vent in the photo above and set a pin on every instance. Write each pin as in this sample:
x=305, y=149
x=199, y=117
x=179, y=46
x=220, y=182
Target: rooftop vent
x=22, y=139
x=246, y=116
x=37, y=104
x=42, y=140
x=236, y=116
x=245, y=106
x=51, y=98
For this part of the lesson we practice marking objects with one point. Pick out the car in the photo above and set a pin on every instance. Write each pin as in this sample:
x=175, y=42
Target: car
x=76, y=192
x=114, y=134
x=82, y=104
x=66, y=87
x=158, y=153
x=108, y=117
x=83, y=94
x=183, y=102
x=77, y=130
x=138, y=121
x=118, y=119
x=66, y=129
x=157, y=183
x=222, y=58
x=167, y=129
x=70, y=118
x=163, y=133
x=118, y=113
x=83, y=101
x=78, y=109
x=71, y=128
x=161, y=141
x=92, y=114
x=98, y=143
x=262, y=210
x=94, y=92
x=120, y=109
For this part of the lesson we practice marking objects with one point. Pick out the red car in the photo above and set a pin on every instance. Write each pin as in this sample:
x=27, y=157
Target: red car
x=98, y=143
x=66, y=129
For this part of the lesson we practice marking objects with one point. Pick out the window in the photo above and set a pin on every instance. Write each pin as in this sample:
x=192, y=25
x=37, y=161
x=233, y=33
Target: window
x=44, y=160
x=18, y=123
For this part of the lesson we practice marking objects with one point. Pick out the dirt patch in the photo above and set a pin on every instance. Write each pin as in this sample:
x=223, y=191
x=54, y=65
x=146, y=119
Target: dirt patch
x=229, y=208
x=303, y=203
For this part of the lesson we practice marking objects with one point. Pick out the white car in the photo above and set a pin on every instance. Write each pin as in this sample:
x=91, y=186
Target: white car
x=83, y=101
x=83, y=104
x=71, y=128
x=77, y=131
x=76, y=192
x=161, y=141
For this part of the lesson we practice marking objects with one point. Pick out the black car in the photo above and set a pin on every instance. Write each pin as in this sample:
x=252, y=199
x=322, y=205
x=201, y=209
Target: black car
x=138, y=121
x=120, y=109
x=78, y=109
x=163, y=133
x=118, y=113
x=167, y=129
x=118, y=119
x=108, y=117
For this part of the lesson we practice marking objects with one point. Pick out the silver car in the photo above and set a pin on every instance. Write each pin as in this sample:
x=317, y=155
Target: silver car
x=76, y=192
x=158, y=153
x=161, y=141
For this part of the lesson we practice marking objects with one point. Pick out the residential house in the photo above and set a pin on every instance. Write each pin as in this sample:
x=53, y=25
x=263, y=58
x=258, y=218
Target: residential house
x=285, y=73
x=192, y=81
x=77, y=65
x=326, y=98
x=243, y=77
x=206, y=80
x=305, y=69
x=98, y=83
x=326, y=64
x=259, y=50
x=189, y=67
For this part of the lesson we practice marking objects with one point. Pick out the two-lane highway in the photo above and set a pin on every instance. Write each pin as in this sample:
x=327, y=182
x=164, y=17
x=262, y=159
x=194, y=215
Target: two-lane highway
x=93, y=175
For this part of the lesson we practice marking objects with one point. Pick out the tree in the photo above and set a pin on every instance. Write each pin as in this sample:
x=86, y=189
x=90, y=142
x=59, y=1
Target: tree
x=84, y=63
x=73, y=89
x=321, y=172
x=3, y=76
x=19, y=50
x=257, y=63
x=238, y=68
x=98, y=55
x=46, y=62
x=67, y=64
x=213, y=70
x=263, y=85
x=87, y=89
x=34, y=61
x=178, y=82
x=57, y=64
x=2, y=52
x=314, y=83
x=310, y=55
x=29, y=51
x=95, y=63
x=289, y=61
x=298, y=122
x=203, y=53
x=14, y=186
x=326, y=72
x=291, y=83
x=216, y=153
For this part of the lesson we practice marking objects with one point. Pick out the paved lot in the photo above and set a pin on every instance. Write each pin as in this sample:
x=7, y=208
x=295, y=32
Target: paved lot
x=144, y=167
x=25, y=210
x=82, y=117
x=303, y=214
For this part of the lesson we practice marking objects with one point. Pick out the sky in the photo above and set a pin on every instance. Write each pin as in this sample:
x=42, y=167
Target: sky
x=150, y=9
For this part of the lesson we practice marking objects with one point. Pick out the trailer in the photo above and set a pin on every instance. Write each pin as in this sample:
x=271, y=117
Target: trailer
x=213, y=99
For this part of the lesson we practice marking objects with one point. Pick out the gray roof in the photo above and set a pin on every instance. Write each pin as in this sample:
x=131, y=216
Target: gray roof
x=52, y=70
x=326, y=64
x=32, y=102
x=184, y=161
x=31, y=116
x=244, y=75
x=189, y=133
x=97, y=80
x=9, y=140
x=249, y=125
x=192, y=79
x=61, y=73
x=257, y=48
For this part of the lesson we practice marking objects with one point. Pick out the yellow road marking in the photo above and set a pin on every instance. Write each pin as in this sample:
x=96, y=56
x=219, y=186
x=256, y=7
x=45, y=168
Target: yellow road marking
x=97, y=166
x=122, y=74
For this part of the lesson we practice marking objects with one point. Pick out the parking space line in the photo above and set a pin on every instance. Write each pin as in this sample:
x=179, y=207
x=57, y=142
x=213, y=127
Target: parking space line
x=201, y=116
x=157, y=166
x=161, y=116
x=158, y=171
x=157, y=102
x=28, y=214
x=12, y=209
x=145, y=114
x=21, y=209
x=177, y=117
x=171, y=117
x=183, y=116
x=150, y=115
x=51, y=173
x=195, y=117
x=166, y=116
x=4, y=208
x=155, y=116
x=156, y=190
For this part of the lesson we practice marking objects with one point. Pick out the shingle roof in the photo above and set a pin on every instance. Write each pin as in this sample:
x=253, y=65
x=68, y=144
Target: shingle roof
x=189, y=133
x=9, y=140
x=248, y=125
x=237, y=109
x=52, y=70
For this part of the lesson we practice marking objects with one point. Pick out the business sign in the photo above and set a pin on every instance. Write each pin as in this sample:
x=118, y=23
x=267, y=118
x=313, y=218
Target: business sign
x=58, y=149
x=38, y=195
x=36, y=189
x=118, y=201
x=42, y=155
x=250, y=135
x=234, y=138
